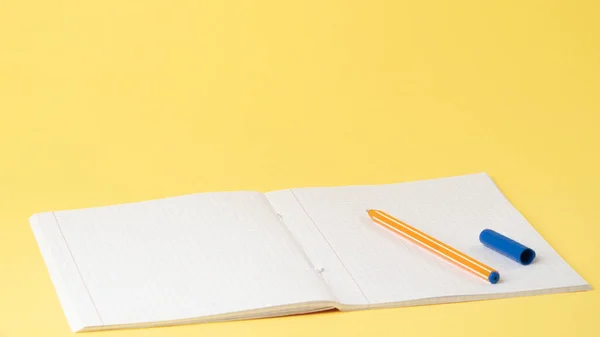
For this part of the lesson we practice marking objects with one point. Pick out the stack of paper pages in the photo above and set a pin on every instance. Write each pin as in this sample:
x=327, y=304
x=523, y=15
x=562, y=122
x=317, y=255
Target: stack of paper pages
x=238, y=255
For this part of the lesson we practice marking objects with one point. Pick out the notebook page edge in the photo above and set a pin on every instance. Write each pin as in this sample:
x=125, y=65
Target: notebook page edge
x=72, y=293
x=271, y=312
x=465, y=298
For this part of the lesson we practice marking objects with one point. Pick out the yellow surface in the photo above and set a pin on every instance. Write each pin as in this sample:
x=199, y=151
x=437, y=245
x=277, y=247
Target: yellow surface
x=105, y=102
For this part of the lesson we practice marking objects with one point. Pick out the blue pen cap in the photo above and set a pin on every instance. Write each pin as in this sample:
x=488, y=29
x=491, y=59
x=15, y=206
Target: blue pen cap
x=507, y=247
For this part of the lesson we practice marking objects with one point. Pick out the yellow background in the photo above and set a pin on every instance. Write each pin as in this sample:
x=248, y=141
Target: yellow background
x=106, y=102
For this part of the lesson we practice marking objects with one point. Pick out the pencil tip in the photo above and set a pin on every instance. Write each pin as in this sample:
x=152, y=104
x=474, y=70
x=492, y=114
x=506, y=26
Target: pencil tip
x=368, y=210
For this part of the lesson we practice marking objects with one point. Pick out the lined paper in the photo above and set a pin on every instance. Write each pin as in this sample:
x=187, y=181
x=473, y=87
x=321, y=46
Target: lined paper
x=389, y=269
x=185, y=257
x=234, y=255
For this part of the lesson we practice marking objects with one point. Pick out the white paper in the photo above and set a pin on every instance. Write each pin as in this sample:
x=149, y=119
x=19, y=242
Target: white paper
x=388, y=269
x=234, y=255
x=317, y=248
x=178, y=258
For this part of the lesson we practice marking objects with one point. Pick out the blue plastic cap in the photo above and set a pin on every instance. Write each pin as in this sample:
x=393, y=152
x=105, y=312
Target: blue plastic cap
x=507, y=247
x=494, y=277
x=527, y=256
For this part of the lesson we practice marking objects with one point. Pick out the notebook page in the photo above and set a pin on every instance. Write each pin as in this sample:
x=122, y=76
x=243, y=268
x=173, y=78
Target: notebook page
x=388, y=269
x=178, y=258
x=316, y=247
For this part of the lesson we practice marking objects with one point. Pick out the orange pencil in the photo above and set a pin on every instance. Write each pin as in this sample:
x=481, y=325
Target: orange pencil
x=435, y=246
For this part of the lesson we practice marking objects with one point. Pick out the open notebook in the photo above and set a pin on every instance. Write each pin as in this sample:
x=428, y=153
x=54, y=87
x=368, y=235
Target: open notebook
x=237, y=255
